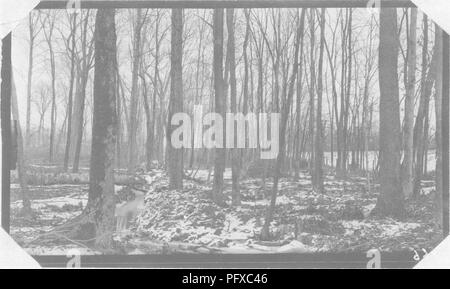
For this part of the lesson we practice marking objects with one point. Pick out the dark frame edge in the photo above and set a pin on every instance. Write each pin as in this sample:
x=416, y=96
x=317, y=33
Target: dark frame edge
x=445, y=133
x=351, y=260
x=210, y=4
x=6, y=71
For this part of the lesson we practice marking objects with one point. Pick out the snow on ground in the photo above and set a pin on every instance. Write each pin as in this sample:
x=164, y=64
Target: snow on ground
x=373, y=159
x=60, y=202
x=188, y=220
x=52, y=205
x=427, y=191
x=64, y=250
x=389, y=229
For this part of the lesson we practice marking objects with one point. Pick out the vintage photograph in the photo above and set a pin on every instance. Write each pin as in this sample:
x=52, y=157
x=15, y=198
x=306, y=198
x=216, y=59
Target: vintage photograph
x=227, y=131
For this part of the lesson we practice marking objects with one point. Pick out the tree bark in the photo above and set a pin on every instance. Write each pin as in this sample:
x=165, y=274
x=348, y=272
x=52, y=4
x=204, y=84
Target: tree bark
x=421, y=125
x=407, y=165
x=219, y=101
x=318, y=155
x=298, y=105
x=438, y=202
x=79, y=107
x=265, y=233
x=235, y=153
x=84, y=66
x=32, y=34
x=312, y=92
x=49, y=39
x=175, y=156
x=390, y=200
x=70, y=100
x=21, y=163
x=104, y=129
x=133, y=125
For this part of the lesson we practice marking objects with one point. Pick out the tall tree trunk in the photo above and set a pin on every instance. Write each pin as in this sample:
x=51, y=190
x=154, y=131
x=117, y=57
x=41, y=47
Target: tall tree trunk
x=346, y=112
x=312, y=92
x=342, y=124
x=30, y=77
x=70, y=100
x=245, y=82
x=83, y=69
x=421, y=127
x=390, y=200
x=438, y=202
x=49, y=39
x=265, y=233
x=148, y=122
x=151, y=136
x=53, y=108
x=331, y=113
x=119, y=118
x=133, y=125
x=151, y=142
x=219, y=101
x=79, y=107
x=235, y=167
x=367, y=113
x=104, y=129
x=318, y=155
x=21, y=163
x=298, y=105
x=334, y=108
x=175, y=156
x=407, y=165
x=198, y=96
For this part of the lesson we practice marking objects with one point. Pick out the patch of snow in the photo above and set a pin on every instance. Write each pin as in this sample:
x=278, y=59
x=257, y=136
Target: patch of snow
x=59, y=250
x=368, y=209
x=397, y=228
x=427, y=191
x=294, y=247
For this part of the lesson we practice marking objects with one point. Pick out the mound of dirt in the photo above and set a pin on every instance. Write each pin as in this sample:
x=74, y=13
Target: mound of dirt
x=180, y=216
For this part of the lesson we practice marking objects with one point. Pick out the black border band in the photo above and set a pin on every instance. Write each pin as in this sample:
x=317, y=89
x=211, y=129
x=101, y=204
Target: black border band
x=6, y=72
x=445, y=134
x=210, y=4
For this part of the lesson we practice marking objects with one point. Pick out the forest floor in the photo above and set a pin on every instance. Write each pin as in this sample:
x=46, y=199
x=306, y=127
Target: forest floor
x=188, y=221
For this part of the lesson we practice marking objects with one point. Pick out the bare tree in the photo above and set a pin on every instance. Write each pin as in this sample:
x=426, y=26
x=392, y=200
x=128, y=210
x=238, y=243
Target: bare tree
x=133, y=124
x=312, y=89
x=318, y=155
x=199, y=76
x=347, y=87
x=265, y=233
x=33, y=19
x=332, y=59
x=71, y=45
x=428, y=77
x=407, y=165
x=346, y=80
x=369, y=72
x=438, y=203
x=235, y=165
x=390, y=201
x=246, y=79
x=151, y=115
x=84, y=65
x=219, y=101
x=42, y=105
x=21, y=165
x=104, y=130
x=175, y=155
x=49, y=20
